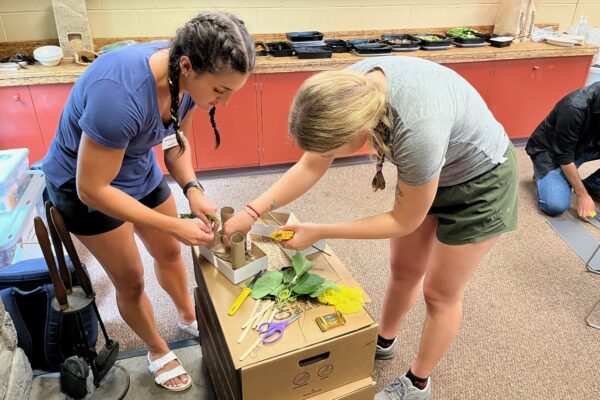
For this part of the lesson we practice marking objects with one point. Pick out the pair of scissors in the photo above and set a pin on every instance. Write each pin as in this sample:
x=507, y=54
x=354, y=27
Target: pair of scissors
x=270, y=329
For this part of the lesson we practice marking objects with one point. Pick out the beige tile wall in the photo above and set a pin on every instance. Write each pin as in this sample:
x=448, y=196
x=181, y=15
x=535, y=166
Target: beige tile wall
x=34, y=19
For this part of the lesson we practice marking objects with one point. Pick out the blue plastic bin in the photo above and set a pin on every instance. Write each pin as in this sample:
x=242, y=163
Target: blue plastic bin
x=16, y=226
x=13, y=165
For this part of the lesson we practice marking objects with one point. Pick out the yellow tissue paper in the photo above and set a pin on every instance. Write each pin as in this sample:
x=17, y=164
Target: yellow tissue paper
x=281, y=235
x=346, y=300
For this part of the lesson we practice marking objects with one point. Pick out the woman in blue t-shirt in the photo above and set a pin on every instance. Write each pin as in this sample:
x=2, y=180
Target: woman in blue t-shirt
x=102, y=173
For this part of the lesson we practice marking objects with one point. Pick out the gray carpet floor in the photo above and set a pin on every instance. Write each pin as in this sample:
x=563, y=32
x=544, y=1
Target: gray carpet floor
x=523, y=334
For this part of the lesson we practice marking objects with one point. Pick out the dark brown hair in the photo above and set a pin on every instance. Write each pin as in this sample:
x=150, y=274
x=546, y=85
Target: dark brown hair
x=214, y=41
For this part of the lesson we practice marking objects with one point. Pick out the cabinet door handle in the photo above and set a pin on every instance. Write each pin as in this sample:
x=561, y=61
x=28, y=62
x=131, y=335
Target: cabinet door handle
x=536, y=67
x=16, y=97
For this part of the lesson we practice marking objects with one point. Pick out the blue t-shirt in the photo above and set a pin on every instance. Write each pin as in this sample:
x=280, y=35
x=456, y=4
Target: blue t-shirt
x=114, y=102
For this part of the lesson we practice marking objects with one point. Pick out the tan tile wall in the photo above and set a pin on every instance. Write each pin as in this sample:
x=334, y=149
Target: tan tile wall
x=22, y=20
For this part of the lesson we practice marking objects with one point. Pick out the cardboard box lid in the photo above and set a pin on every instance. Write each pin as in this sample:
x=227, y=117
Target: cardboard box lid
x=302, y=333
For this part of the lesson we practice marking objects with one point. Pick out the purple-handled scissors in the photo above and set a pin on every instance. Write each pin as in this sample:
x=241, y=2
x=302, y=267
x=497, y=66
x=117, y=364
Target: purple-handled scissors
x=270, y=329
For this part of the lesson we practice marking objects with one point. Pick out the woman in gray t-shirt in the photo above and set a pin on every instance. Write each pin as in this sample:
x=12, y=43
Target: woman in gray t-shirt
x=456, y=190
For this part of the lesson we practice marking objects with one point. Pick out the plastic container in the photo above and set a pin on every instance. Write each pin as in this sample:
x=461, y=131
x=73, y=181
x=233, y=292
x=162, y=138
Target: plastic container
x=48, y=56
x=307, y=36
x=401, y=42
x=501, y=41
x=594, y=76
x=337, y=45
x=16, y=226
x=593, y=37
x=372, y=49
x=426, y=40
x=13, y=164
x=313, y=52
x=280, y=49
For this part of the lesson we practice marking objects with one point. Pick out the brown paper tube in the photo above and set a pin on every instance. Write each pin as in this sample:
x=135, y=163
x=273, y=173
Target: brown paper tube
x=218, y=240
x=238, y=250
x=226, y=214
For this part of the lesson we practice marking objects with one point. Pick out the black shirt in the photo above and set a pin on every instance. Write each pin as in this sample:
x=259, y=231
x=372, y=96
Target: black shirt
x=572, y=126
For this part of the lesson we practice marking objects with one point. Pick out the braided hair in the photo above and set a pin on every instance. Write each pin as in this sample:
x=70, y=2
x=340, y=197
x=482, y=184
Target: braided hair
x=214, y=41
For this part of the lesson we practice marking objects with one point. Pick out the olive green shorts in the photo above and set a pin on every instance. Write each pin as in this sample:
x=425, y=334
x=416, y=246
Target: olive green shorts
x=481, y=208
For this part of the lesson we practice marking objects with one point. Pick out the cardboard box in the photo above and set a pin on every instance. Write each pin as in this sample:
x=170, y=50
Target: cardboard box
x=304, y=363
x=267, y=225
x=364, y=389
x=237, y=275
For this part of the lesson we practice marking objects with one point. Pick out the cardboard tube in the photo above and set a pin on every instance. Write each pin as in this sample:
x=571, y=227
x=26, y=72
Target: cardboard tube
x=238, y=250
x=218, y=240
x=226, y=214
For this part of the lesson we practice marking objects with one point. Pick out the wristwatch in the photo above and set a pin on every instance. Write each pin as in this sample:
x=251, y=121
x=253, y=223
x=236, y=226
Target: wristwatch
x=192, y=184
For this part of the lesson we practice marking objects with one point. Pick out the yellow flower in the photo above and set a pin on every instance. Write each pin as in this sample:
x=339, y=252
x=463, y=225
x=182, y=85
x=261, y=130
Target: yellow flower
x=281, y=235
x=346, y=300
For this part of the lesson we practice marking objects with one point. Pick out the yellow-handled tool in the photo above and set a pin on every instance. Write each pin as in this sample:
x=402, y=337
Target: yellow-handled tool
x=242, y=297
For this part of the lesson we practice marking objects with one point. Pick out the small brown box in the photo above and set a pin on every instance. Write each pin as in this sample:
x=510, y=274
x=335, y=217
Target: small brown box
x=304, y=363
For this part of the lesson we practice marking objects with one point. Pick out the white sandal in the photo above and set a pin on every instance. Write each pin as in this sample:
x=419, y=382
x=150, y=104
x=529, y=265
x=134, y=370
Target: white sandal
x=192, y=328
x=165, y=376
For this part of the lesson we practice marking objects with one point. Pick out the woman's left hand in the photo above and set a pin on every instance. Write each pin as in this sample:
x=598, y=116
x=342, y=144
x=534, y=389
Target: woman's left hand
x=305, y=235
x=201, y=207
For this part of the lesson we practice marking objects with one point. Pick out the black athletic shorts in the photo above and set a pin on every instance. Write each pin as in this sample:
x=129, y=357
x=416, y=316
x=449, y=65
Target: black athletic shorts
x=81, y=221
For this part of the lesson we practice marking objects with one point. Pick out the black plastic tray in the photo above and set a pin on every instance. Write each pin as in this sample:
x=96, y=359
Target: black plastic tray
x=372, y=48
x=392, y=40
x=479, y=39
x=337, y=45
x=280, y=49
x=313, y=52
x=444, y=41
x=307, y=36
x=352, y=43
x=504, y=43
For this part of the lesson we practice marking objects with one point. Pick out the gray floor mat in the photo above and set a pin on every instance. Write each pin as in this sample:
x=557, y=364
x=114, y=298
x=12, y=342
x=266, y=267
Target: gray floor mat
x=582, y=243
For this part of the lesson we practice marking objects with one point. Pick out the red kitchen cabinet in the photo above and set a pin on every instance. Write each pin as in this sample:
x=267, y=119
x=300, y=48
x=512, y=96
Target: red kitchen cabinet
x=479, y=75
x=524, y=91
x=18, y=122
x=277, y=93
x=49, y=101
x=238, y=125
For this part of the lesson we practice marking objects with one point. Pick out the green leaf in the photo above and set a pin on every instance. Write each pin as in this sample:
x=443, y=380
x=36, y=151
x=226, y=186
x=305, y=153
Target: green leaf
x=266, y=284
x=278, y=289
x=308, y=284
x=288, y=274
x=326, y=284
x=301, y=264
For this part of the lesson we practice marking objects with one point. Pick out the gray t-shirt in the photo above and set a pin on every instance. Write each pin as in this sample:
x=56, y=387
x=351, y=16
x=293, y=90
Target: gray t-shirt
x=440, y=125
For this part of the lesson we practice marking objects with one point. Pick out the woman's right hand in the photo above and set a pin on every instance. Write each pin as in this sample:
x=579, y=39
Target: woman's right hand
x=192, y=232
x=240, y=222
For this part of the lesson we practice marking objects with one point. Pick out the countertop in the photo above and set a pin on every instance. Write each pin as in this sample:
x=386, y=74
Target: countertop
x=68, y=71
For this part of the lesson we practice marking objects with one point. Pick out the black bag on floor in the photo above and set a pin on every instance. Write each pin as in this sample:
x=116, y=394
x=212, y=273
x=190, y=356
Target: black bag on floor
x=27, y=294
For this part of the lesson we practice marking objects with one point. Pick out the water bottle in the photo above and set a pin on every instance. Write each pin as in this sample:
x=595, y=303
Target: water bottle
x=582, y=27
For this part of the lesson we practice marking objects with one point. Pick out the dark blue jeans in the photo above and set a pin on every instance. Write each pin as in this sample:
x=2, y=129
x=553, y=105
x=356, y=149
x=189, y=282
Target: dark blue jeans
x=554, y=191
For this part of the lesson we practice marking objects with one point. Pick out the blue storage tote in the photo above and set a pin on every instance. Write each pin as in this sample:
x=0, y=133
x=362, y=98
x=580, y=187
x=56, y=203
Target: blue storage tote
x=16, y=226
x=13, y=164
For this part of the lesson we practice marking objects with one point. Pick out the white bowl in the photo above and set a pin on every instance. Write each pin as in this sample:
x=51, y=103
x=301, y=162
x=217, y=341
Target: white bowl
x=48, y=56
x=50, y=63
x=47, y=53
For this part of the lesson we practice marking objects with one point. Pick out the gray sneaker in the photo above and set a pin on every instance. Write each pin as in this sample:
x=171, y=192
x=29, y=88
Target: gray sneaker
x=387, y=353
x=403, y=389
